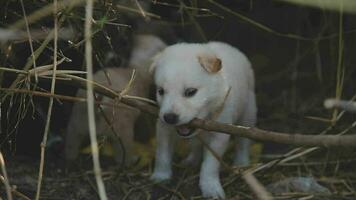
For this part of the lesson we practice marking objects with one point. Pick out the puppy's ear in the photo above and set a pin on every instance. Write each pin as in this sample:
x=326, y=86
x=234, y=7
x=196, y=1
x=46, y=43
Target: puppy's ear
x=153, y=65
x=210, y=63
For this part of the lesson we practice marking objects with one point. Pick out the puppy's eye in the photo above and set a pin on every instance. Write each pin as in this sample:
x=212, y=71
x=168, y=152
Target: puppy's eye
x=160, y=91
x=190, y=92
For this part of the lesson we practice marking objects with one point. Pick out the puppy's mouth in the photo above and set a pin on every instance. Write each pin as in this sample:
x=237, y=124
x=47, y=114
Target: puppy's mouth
x=184, y=131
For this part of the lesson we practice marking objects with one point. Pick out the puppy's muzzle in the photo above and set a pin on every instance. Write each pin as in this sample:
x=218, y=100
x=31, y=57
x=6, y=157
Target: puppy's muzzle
x=185, y=132
x=182, y=130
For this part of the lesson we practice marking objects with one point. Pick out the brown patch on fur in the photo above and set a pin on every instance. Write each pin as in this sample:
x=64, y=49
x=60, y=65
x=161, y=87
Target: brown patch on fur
x=210, y=63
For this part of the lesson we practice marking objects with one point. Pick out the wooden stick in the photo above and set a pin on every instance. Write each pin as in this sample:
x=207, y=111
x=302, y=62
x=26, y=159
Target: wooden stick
x=241, y=131
x=50, y=104
x=256, y=187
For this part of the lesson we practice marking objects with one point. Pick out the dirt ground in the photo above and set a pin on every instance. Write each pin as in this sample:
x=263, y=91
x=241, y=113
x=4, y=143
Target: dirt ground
x=331, y=169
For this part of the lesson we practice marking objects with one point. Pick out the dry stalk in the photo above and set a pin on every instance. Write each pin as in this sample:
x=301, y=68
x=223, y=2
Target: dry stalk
x=194, y=21
x=29, y=37
x=297, y=152
x=63, y=97
x=128, y=85
x=256, y=187
x=340, y=68
x=19, y=194
x=50, y=104
x=33, y=17
x=143, y=12
x=148, y=14
x=45, y=11
x=5, y=178
x=90, y=97
x=277, y=137
x=37, y=54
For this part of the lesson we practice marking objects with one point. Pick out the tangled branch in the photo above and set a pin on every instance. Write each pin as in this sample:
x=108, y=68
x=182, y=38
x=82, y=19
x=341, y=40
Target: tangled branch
x=235, y=130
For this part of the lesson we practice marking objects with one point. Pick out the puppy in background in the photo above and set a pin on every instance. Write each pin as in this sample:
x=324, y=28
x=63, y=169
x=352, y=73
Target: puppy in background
x=206, y=81
x=122, y=118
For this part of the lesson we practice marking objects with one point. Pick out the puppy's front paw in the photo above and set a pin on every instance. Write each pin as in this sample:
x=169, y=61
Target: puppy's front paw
x=211, y=188
x=160, y=176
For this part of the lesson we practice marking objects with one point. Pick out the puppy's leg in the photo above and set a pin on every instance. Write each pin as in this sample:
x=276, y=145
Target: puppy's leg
x=165, y=144
x=195, y=155
x=209, y=174
x=242, y=151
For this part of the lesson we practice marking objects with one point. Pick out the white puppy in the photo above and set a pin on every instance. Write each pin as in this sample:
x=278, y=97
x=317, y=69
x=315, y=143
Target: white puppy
x=206, y=81
x=122, y=119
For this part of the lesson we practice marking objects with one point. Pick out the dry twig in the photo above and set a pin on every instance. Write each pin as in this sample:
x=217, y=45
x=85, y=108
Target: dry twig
x=90, y=97
x=45, y=11
x=29, y=37
x=50, y=105
x=256, y=187
x=241, y=131
x=5, y=178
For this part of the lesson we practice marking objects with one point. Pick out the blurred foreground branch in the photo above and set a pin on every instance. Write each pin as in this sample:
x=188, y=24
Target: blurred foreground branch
x=349, y=106
x=348, y=6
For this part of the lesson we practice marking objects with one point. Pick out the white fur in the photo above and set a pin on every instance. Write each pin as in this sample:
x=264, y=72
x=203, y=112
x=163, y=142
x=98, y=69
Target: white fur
x=176, y=69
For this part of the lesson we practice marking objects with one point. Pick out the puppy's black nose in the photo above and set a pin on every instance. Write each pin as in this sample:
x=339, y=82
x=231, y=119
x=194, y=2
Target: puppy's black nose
x=170, y=118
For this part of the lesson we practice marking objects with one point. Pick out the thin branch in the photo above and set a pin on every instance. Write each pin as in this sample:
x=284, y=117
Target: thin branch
x=29, y=37
x=340, y=69
x=50, y=105
x=142, y=11
x=277, y=137
x=133, y=10
x=64, y=97
x=256, y=187
x=194, y=21
x=19, y=194
x=5, y=178
x=241, y=131
x=45, y=11
x=90, y=97
x=29, y=63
